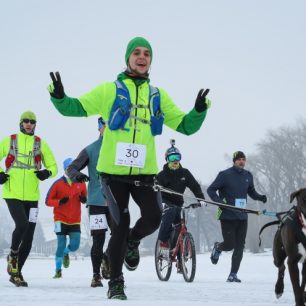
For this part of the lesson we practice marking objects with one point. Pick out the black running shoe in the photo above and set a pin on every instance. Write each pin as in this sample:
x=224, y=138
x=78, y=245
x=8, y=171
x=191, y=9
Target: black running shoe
x=58, y=274
x=116, y=289
x=22, y=283
x=131, y=259
x=15, y=280
x=96, y=281
x=232, y=278
x=66, y=261
x=215, y=254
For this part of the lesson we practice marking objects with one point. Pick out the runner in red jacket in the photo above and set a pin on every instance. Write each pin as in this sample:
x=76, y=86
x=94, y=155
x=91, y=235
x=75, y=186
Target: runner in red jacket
x=66, y=198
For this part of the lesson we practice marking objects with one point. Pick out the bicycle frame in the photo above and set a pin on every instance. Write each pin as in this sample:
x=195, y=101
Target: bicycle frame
x=182, y=250
x=179, y=241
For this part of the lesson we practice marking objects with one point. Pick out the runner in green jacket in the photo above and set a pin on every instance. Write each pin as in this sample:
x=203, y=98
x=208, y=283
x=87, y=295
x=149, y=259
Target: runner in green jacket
x=25, y=154
x=128, y=154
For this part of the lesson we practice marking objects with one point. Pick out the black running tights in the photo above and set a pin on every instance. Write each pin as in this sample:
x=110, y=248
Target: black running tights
x=23, y=233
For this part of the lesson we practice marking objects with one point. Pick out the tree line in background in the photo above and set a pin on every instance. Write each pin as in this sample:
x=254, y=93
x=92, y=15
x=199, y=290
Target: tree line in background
x=278, y=168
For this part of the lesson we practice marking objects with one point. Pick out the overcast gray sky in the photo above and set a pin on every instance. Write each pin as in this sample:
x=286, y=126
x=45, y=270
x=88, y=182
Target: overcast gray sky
x=251, y=54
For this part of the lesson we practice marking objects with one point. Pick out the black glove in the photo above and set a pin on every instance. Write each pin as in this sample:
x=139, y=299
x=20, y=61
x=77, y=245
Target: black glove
x=82, y=178
x=43, y=174
x=3, y=177
x=201, y=103
x=263, y=198
x=83, y=199
x=58, y=91
x=63, y=201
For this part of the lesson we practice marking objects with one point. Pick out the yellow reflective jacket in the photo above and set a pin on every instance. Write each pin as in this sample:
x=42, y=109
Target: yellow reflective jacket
x=23, y=184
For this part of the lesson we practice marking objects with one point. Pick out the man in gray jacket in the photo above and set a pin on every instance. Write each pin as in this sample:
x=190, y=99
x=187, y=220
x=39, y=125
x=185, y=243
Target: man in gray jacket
x=98, y=210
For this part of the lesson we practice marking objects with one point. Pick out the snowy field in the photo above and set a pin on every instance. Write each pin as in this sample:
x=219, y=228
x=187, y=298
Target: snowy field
x=257, y=273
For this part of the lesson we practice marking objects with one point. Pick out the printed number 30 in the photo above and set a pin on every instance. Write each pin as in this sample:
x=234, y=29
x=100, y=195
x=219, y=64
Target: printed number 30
x=132, y=153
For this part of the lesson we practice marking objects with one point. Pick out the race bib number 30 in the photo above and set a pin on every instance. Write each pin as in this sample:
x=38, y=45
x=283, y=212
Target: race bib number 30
x=98, y=222
x=130, y=155
x=241, y=203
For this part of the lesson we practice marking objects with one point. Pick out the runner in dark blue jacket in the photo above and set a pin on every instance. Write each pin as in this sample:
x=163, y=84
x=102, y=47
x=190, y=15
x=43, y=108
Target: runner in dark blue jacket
x=98, y=210
x=233, y=186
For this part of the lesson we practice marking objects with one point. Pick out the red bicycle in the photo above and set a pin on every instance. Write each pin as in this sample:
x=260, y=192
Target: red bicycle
x=182, y=250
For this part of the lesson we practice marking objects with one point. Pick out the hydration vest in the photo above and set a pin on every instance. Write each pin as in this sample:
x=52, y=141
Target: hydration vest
x=12, y=161
x=122, y=108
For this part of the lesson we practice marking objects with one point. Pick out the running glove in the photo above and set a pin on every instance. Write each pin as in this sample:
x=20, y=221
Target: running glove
x=83, y=199
x=82, y=178
x=43, y=174
x=56, y=89
x=202, y=103
x=3, y=177
x=63, y=201
x=263, y=199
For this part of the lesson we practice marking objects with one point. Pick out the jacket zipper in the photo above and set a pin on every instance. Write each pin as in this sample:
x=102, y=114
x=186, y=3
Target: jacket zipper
x=25, y=149
x=134, y=133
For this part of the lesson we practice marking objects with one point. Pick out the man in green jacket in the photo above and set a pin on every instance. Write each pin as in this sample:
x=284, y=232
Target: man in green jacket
x=25, y=154
x=135, y=112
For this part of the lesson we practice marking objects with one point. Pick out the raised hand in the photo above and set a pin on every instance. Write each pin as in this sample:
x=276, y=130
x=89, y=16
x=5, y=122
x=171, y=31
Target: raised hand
x=56, y=89
x=201, y=103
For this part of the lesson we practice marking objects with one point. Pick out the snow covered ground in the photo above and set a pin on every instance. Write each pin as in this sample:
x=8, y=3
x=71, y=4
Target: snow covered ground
x=143, y=287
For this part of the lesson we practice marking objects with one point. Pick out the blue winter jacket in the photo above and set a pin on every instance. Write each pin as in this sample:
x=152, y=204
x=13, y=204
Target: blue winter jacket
x=89, y=157
x=233, y=184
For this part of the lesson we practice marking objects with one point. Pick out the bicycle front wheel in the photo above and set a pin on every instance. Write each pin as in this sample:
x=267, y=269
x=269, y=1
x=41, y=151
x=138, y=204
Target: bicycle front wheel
x=163, y=264
x=188, y=258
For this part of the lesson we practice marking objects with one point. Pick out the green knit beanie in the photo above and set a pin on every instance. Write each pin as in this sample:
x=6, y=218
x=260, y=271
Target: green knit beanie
x=134, y=43
x=28, y=115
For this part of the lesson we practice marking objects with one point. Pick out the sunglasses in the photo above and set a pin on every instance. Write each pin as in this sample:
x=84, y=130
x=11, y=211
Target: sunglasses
x=29, y=121
x=174, y=157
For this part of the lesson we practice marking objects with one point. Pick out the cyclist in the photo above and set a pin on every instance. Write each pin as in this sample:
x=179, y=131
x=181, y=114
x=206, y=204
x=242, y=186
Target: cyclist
x=135, y=113
x=176, y=178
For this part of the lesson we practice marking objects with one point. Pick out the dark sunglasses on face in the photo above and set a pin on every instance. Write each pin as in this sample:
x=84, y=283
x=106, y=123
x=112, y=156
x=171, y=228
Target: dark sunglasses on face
x=175, y=157
x=29, y=121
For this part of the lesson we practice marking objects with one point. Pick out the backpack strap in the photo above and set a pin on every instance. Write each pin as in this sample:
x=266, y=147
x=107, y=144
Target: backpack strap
x=37, y=152
x=12, y=154
x=12, y=161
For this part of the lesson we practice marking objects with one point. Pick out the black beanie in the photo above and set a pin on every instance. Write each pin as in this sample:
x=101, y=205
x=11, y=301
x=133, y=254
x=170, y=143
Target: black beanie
x=237, y=155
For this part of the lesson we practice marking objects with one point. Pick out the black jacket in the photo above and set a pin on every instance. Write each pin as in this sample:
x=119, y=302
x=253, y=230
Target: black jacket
x=178, y=180
x=231, y=184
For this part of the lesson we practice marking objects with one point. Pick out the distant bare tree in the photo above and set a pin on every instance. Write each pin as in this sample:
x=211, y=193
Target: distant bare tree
x=279, y=169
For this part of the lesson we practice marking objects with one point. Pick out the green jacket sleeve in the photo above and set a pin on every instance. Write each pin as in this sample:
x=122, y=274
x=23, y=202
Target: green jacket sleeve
x=191, y=122
x=178, y=120
x=70, y=107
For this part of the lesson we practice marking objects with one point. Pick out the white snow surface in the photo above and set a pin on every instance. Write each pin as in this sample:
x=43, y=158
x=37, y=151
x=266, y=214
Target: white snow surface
x=143, y=288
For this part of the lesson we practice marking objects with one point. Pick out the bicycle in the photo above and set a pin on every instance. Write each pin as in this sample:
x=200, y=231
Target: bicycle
x=182, y=250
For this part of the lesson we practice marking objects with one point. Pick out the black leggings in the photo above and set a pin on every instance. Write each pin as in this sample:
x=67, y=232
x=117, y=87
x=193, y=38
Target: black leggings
x=234, y=233
x=23, y=233
x=98, y=238
x=148, y=201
